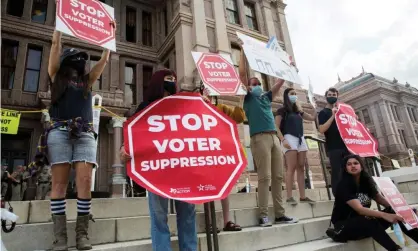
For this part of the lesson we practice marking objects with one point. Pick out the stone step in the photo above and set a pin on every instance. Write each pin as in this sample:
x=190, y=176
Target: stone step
x=250, y=239
x=328, y=245
x=38, y=211
x=137, y=228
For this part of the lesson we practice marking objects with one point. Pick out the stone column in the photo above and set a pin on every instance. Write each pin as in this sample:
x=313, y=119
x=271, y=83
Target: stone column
x=222, y=43
x=388, y=122
x=410, y=139
x=376, y=123
x=50, y=13
x=241, y=14
x=268, y=19
x=27, y=10
x=118, y=177
x=284, y=29
x=19, y=79
x=200, y=34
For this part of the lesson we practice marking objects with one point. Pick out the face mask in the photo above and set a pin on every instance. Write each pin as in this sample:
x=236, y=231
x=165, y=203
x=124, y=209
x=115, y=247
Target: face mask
x=293, y=98
x=331, y=100
x=170, y=87
x=257, y=90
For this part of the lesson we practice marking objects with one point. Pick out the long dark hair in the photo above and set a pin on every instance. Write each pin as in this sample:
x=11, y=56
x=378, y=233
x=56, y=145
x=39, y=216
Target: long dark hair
x=155, y=88
x=365, y=179
x=61, y=79
x=288, y=106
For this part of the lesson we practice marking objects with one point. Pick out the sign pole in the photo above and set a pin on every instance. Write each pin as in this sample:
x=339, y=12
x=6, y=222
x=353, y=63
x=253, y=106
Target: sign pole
x=96, y=121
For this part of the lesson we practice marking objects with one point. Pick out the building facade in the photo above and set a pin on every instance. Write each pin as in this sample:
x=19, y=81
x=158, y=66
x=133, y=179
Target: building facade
x=388, y=109
x=150, y=34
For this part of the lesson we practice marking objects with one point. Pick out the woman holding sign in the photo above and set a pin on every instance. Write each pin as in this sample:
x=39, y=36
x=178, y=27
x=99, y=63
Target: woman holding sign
x=289, y=121
x=70, y=138
x=163, y=84
x=352, y=217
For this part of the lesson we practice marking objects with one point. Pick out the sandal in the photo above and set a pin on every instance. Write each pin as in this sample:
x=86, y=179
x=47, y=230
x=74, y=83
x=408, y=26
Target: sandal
x=230, y=226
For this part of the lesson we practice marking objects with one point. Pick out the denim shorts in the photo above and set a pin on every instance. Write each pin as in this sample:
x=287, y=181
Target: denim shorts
x=62, y=149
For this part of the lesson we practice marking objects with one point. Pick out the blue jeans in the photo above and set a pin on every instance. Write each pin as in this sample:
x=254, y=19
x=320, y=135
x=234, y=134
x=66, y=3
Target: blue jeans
x=186, y=224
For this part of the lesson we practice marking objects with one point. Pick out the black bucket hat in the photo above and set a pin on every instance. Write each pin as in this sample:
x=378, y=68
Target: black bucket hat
x=69, y=52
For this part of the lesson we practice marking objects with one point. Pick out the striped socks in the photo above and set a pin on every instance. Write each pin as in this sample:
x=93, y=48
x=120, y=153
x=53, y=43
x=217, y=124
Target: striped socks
x=83, y=206
x=58, y=206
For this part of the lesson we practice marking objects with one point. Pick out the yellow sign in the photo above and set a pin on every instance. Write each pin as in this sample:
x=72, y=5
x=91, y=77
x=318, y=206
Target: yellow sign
x=312, y=144
x=9, y=122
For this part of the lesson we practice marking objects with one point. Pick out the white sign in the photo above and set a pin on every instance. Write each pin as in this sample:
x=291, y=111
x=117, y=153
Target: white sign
x=96, y=120
x=311, y=94
x=269, y=62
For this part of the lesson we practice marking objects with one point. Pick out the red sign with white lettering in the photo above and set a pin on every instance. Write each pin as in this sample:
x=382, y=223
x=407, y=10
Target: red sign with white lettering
x=89, y=20
x=218, y=73
x=356, y=137
x=396, y=200
x=185, y=149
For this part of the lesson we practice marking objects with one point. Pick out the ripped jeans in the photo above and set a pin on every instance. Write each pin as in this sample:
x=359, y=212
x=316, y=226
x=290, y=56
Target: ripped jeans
x=186, y=224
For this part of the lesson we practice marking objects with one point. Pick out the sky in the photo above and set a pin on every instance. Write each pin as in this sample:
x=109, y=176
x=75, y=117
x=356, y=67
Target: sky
x=338, y=37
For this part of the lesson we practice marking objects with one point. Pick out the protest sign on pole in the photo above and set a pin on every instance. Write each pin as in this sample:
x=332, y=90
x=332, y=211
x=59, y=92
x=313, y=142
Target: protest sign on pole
x=218, y=74
x=96, y=121
x=267, y=61
x=89, y=20
x=356, y=137
x=183, y=148
x=396, y=200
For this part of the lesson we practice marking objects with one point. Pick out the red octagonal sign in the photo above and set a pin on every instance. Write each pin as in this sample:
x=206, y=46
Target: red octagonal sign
x=218, y=73
x=185, y=149
x=88, y=20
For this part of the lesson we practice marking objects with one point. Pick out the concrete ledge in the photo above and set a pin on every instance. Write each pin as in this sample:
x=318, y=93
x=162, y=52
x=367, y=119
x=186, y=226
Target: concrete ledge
x=329, y=245
x=21, y=209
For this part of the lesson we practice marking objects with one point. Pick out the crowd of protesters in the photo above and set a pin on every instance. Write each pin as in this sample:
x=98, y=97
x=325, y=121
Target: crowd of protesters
x=70, y=142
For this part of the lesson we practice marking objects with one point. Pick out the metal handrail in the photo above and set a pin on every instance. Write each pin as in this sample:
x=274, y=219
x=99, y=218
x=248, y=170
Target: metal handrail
x=324, y=172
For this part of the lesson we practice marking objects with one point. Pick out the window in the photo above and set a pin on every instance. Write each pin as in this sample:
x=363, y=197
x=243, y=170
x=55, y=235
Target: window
x=167, y=64
x=250, y=16
x=366, y=116
x=15, y=7
x=402, y=136
x=130, y=84
x=33, y=68
x=263, y=79
x=146, y=28
x=236, y=53
x=416, y=134
x=358, y=116
x=9, y=50
x=146, y=76
x=131, y=24
x=395, y=112
x=98, y=84
x=39, y=8
x=232, y=12
x=165, y=21
x=412, y=115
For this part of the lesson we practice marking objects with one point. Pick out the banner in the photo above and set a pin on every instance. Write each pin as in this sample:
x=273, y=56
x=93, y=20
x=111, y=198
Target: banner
x=89, y=20
x=184, y=149
x=396, y=200
x=267, y=61
x=9, y=121
x=356, y=137
x=218, y=74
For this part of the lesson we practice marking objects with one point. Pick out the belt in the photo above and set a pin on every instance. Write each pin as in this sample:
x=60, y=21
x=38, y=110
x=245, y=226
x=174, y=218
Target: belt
x=267, y=132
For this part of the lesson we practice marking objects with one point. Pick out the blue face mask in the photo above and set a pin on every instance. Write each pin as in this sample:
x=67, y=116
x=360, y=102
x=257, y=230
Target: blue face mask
x=257, y=90
x=293, y=98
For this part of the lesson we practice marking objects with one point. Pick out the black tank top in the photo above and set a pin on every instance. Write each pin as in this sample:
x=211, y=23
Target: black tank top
x=74, y=102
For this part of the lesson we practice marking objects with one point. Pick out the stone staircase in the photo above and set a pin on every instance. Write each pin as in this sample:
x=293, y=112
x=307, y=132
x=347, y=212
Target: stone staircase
x=123, y=224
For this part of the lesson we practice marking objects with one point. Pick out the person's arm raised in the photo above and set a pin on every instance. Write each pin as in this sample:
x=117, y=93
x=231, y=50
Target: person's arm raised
x=97, y=70
x=54, y=55
x=276, y=87
x=243, y=68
